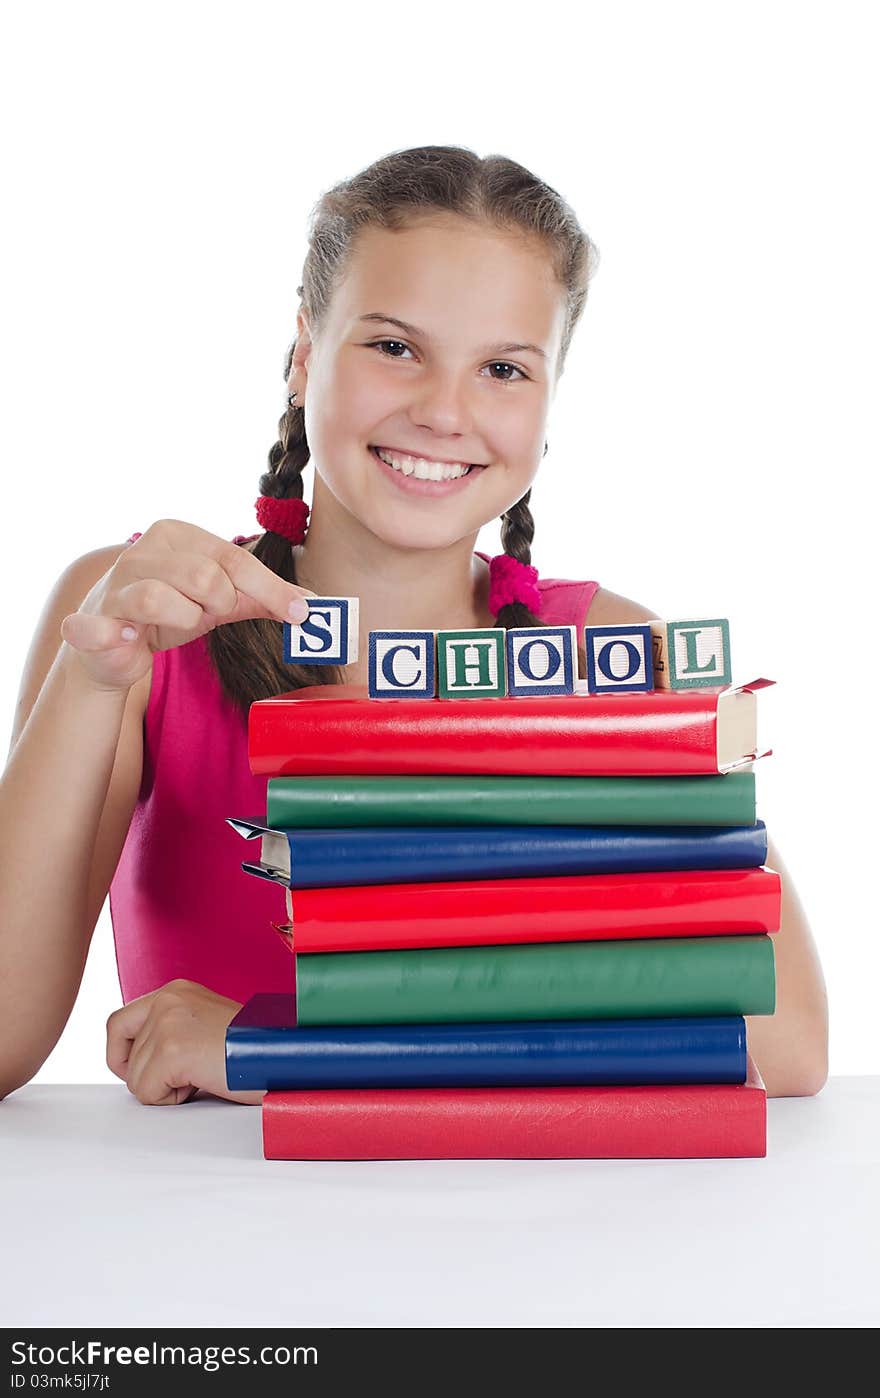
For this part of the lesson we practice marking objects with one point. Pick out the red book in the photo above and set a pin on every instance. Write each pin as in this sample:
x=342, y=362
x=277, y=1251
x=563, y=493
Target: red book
x=690, y=1121
x=331, y=730
x=577, y=907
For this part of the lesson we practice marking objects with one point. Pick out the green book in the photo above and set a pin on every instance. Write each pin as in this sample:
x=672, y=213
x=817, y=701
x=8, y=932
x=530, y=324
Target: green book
x=324, y=802
x=649, y=978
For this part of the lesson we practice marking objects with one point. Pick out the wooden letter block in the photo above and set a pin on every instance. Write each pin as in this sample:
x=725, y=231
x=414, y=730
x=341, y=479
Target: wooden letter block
x=470, y=664
x=618, y=657
x=328, y=636
x=691, y=654
x=402, y=664
x=541, y=660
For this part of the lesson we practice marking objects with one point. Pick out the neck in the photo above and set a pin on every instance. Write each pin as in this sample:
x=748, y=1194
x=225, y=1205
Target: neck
x=400, y=589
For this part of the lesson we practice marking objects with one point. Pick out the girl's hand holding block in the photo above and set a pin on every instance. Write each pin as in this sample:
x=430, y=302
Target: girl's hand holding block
x=173, y=584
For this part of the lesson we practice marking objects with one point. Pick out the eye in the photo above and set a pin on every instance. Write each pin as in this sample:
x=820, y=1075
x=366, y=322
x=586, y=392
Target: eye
x=501, y=364
x=496, y=364
x=377, y=344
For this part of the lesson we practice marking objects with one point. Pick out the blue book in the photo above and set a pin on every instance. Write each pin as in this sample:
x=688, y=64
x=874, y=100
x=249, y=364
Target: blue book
x=402, y=854
x=265, y=1048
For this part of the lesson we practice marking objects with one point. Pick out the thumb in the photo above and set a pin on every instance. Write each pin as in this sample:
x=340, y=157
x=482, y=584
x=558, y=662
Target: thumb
x=248, y=607
x=123, y=1028
x=93, y=633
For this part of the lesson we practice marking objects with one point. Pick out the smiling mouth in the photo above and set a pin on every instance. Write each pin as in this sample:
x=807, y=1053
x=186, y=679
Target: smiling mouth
x=424, y=468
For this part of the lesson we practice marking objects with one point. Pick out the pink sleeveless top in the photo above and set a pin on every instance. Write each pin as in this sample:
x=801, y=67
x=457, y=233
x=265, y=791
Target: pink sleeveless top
x=180, y=903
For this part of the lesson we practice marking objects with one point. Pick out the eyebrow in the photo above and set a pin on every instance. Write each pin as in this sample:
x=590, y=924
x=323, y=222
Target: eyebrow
x=420, y=334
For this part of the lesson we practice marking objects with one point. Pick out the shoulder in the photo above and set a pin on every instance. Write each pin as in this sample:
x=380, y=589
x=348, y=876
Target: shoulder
x=69, y=591
x=608, y=608
x=78, y=578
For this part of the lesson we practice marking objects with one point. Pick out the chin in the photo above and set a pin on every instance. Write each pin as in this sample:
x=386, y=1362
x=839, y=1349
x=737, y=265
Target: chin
x=424, y=535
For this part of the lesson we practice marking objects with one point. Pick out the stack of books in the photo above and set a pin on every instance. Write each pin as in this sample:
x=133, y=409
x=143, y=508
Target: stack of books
x=520, y=927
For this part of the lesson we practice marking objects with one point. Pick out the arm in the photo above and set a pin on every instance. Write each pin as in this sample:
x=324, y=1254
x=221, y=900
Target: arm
x=790, y=1047
x=66, y=798
x=75, y=768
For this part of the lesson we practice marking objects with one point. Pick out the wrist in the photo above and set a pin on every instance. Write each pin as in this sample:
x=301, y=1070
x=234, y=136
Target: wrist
x=76, y=674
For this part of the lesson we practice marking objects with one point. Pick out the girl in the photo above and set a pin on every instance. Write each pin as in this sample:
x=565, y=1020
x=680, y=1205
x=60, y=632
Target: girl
x=440, y=293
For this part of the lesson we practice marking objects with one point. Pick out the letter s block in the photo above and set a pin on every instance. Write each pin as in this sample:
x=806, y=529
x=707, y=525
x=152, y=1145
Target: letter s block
x=541, y=660
x=470, y=664
x=328, y=636
x=691, y=654
x=402, y=664
x=618, y=657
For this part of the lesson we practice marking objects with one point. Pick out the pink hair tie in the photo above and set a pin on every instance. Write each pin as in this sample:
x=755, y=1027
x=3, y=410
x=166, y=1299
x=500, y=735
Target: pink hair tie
x=285, y=517
x=512, y=581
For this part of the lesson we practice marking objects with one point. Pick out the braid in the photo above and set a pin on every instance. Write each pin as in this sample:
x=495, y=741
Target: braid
x=517, y=533
x=283, y=481
x=247, y=654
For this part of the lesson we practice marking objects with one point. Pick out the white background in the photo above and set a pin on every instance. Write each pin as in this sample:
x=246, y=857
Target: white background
x=713, y=444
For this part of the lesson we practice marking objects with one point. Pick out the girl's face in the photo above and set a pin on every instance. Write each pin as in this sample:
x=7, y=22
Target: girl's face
x=469, y=381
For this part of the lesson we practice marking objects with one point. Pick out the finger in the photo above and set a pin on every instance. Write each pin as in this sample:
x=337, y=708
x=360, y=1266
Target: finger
x=154, y=602
x=193, y=589
x=123, y=1028
x=248, y=574
x=196, y=576
x=137, y=1058
x=152, y=1078
x=95, y=633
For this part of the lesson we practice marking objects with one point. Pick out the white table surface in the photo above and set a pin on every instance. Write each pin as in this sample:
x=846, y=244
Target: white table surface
x=117, y=1214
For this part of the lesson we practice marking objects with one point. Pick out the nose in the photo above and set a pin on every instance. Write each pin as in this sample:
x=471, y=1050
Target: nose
x=442, y=405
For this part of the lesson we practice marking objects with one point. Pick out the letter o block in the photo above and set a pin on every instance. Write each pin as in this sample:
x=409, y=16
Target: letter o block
x=541, y=660
x=618, y=658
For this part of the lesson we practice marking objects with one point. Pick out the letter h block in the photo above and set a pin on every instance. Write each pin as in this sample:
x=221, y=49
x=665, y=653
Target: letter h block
x=402, y=665
x=541, y=660
x=618, y=658
x=691, y=654
x=328, y=636
x=470, y=664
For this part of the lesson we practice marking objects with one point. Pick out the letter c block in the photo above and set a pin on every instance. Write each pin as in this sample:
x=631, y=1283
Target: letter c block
x=402, y=664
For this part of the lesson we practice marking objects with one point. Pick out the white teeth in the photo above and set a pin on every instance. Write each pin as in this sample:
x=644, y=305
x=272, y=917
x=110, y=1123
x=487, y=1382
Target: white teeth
x=420, y=468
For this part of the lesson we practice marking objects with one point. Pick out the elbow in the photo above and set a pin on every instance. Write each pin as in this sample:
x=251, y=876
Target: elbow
x=16, y=1075
x=804, y=1074
x=9, y=1086
x=813, y=1071
x=816, y=1075
x=804, y=1081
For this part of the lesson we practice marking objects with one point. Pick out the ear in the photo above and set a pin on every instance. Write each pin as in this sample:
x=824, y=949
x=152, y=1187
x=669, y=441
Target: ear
x=301, y=350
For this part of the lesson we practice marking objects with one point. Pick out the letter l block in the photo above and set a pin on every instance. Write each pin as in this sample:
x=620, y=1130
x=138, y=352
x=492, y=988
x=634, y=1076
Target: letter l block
x=691, y=654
